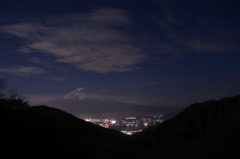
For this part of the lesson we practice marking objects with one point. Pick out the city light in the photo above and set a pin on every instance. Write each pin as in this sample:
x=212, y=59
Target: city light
x=128, y=125
x=113, y=121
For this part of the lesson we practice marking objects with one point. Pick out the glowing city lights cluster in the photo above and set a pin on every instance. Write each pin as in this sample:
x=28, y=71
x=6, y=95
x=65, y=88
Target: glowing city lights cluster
x=128, y=122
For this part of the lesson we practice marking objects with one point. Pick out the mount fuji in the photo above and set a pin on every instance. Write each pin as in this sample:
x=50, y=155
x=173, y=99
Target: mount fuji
x=79, y=94
x=82, y=103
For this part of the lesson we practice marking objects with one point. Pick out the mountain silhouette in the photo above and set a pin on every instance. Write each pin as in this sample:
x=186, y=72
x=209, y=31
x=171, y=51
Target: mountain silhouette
x=203, y=130
x=42, y=131
x=82, y=103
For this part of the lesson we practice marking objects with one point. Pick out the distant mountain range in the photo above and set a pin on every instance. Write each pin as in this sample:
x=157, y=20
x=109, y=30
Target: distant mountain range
x=82, y=103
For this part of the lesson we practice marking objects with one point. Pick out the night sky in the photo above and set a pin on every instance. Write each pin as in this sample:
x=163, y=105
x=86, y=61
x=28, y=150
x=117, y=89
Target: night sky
x=160, y=52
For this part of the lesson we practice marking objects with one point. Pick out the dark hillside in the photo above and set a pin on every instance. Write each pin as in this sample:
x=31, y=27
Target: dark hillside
x=38, y=132
x=173, y=113
x=203, y=130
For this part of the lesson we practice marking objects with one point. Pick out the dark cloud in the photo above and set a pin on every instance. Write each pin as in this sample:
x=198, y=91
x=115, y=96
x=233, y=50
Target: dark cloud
x=89, y=41
x=197, y=26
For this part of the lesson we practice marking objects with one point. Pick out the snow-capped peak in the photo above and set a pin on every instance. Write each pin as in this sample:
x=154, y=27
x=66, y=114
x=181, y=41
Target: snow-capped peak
x=79, y=89
x=80, y=94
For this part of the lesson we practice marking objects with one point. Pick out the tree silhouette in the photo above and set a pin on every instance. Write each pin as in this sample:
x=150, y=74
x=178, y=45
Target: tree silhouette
x=2, y=86
x=16, y=101
x=11, y=100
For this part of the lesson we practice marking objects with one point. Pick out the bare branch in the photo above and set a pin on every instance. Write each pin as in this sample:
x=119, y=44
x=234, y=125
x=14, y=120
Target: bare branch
x=3, y=84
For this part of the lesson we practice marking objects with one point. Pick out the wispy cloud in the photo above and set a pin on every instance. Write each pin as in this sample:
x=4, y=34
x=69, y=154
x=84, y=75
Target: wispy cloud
x=22, y=70
x=89, y=41
x=58, y=79
x=38, y=60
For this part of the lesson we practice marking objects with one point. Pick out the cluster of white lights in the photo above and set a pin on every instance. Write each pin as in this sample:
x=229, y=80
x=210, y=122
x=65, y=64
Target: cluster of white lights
x=113, y=121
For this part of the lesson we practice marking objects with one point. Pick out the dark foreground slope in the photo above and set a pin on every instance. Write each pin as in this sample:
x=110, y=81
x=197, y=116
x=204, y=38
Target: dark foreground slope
x=40, y=132
x=206, y=130
x=203, y=130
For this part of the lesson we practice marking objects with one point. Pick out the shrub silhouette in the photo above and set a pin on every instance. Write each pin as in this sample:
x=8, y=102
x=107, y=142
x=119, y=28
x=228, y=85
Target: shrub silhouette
x=11, y=100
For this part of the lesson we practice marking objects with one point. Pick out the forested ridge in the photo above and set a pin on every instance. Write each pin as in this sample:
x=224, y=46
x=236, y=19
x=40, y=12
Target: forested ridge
x=203, y=130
